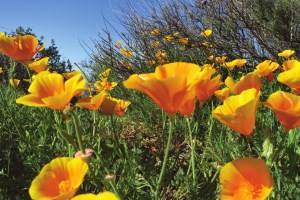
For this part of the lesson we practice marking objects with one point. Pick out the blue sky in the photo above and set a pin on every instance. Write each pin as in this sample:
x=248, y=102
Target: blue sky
x=68, y=22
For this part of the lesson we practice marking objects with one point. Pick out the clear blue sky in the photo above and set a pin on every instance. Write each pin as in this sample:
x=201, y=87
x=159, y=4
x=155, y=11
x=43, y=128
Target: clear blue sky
x=68, y=22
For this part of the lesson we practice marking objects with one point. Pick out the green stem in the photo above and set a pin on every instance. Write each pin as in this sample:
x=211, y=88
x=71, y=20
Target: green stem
x=166, y=155
x=94, y=124
x=61, y=134
x=78, y=135
x=28, y=72
x=192, y=143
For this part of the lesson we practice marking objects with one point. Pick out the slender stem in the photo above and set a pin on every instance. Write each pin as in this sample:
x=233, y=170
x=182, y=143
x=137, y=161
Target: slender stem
x=61, y=134
x=94, y=124
x=78, y=135
x=28, y=72
x=166, y=155
x=192, y=143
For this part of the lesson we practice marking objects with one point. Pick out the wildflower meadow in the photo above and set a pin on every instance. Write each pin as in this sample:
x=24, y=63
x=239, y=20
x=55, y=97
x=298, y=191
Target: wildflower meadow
x=195, y=100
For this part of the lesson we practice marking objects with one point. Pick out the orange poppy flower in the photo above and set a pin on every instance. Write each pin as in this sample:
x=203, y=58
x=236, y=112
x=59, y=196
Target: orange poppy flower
x=206, y=85
x=101, y=196
x=38, y=65
x=245, y=179
x=92, y=103
x=289, y=64
x=232, y=112
x=290, y=78
x=246, y=82
x=265, y=68
x=112, y=105
x=20, y=48
x=171, y=86
x=50, y=90
x=59, y=179
x=286, y=107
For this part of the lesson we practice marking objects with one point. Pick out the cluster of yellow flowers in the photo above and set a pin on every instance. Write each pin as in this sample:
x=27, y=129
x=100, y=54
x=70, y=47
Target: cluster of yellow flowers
x=160, y=56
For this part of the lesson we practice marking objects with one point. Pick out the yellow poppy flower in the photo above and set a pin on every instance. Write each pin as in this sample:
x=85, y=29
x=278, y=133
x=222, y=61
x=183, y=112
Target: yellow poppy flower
x=246, y=82
x=104, y=85
x=38, y=65
x=155, y=32
x=115, y=106
x=286, y=53
x=235, y=63
x=50, y=90
x=20, y=48
x=245, y=179
x=289, y=64
x=171, y=86
x=265, y=68
x=1, y=70
x=126, y=53
x=150, y=62
x=14, y=82
x=211, y=57
x=101, y=196
x=206, y=33
x=286, y=107
x=161, y=56
x=220, y=59
x=168, y=38
x=222, y=94
x=206, y=85
x=92, y=103
x=59, y=179
x=290, y=78
x=232, y=112
x=183, y=41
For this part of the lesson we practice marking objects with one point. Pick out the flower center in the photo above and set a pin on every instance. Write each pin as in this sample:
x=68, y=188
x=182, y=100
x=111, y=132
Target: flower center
x=64, y=186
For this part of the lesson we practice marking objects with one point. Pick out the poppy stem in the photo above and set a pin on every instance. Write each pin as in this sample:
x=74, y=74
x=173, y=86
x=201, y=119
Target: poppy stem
x=78, y=135
x=166, y=155
x=192, y=143
x=65, y=137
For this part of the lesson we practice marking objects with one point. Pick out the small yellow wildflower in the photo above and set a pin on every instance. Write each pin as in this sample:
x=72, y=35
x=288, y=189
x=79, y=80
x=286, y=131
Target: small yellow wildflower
x=183, y=41
x=286, y=53
x=155, y=32
x=206, y=33
x=125, y=52
x=168, y=38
